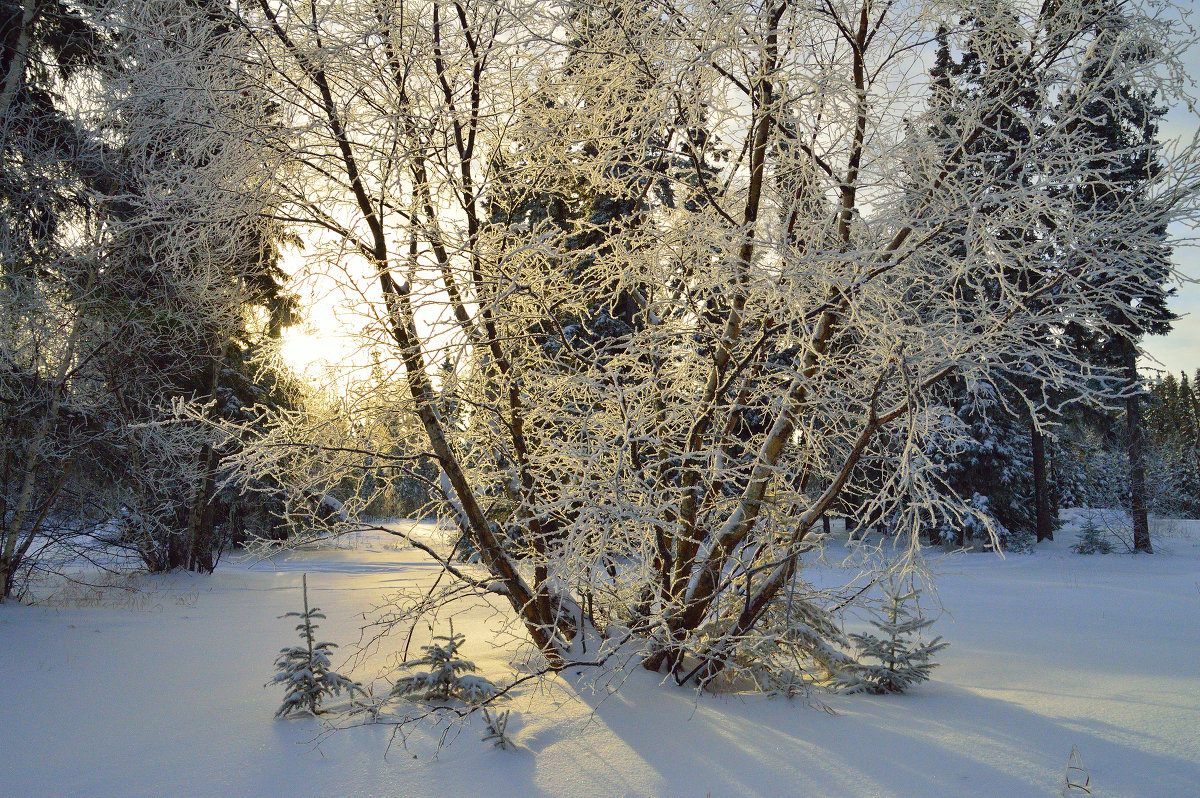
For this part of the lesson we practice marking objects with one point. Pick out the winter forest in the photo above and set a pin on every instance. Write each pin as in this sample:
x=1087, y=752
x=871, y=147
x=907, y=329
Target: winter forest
x=597, y=397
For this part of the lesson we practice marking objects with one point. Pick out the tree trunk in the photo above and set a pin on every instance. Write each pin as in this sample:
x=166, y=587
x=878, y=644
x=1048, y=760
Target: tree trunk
x=18, y=50
x=7, y=574
x=1041, y=486
x=200, y=540
x=1137, y=465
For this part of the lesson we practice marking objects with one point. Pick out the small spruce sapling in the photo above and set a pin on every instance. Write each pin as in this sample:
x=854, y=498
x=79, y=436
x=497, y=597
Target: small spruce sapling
x=902, y=658
x=1092, y=540
x=305, y=670
x=451, y=678
x=497, y=729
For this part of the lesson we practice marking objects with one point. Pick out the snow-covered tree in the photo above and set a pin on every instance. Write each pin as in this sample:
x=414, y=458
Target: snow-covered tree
x=137, y=271
x=826, y=276
x=894, y=657
x=304, y=671
x=450, y=677
x=1121, y=123
x=990, y=467
x=1092, y=539
x=191, y=258
x=1172, y=423
x=1002, y=465
x=496, y=725
x=54, y=446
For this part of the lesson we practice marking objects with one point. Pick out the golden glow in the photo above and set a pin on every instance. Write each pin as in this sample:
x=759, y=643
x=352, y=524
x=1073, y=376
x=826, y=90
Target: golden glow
x=311, y=351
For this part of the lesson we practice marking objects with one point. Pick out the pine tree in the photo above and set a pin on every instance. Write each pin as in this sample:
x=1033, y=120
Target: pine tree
x=49, y=434
x=1002, y=470
x=1173, y=446
x=1122, y=125
x=902, y=658
x=1092, y=540
x=990, y=468
x=496, y=725
x=305, y=670
x=219, y=360
x=451, y=678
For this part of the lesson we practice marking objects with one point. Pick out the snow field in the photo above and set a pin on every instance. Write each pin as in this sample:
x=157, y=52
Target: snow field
x=161, y=693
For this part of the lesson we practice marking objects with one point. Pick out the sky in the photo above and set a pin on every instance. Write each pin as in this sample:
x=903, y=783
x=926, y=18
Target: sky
x=314, y=349
x=1180, y=350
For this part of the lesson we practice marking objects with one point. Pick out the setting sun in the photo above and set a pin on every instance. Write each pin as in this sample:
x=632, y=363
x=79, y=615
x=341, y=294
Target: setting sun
x=310, y=351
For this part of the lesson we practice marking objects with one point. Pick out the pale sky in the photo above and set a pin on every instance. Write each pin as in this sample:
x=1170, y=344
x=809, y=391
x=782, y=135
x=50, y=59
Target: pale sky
x=1180, y=351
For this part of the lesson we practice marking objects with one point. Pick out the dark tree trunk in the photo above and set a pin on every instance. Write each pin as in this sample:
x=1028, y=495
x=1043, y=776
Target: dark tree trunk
x=7, y=578
x=1137, y=465
x=203, y=539
x=1041, y=487
x=197, y=553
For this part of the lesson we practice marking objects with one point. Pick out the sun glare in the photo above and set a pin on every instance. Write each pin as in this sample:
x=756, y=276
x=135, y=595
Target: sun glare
x=311, y=351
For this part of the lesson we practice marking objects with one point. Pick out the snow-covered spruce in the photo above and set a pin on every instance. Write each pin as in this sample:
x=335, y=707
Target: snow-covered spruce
x=497, y=729
x=902, y=659
x=305, y=670
x=1092, y=540
x=451, y=678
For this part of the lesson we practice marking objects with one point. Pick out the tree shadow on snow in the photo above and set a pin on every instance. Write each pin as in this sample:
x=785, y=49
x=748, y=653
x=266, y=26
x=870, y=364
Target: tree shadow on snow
x=940, y=740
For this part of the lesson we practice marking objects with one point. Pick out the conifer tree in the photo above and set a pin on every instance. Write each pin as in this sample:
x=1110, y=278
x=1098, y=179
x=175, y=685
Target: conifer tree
x=48, y=436
x=305, y=670
x=901, y=658
x=1092, y=540
x=165, y=242
x=451, y=678
x=1173, y=446
x=1121, y=124
x=1005, y=467
x=992, y=471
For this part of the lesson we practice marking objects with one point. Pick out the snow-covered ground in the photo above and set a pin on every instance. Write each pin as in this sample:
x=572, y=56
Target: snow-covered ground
x=160, y=693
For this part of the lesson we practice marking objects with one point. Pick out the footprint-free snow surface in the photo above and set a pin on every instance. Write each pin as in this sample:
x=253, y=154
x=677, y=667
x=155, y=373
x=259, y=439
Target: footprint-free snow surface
x=160, y=693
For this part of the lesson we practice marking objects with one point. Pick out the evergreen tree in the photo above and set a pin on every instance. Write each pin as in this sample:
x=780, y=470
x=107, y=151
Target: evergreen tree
x=304, y=670
x=94, y=289
x=991, y=469
x=451, y=678
x=1093, y=461
x=1092, y=540
x=1002, y=469
x=48, y=432
x=166, y=266
x=902, y=659
x=1173, y=446
x=1121, y=123
x=496, y=725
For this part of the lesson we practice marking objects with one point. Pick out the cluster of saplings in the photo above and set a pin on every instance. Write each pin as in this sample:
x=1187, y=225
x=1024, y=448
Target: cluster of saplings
x=308, y=677
x=891, y=658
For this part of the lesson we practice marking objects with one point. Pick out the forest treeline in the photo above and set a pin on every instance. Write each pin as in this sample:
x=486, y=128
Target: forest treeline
x=134, y=275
